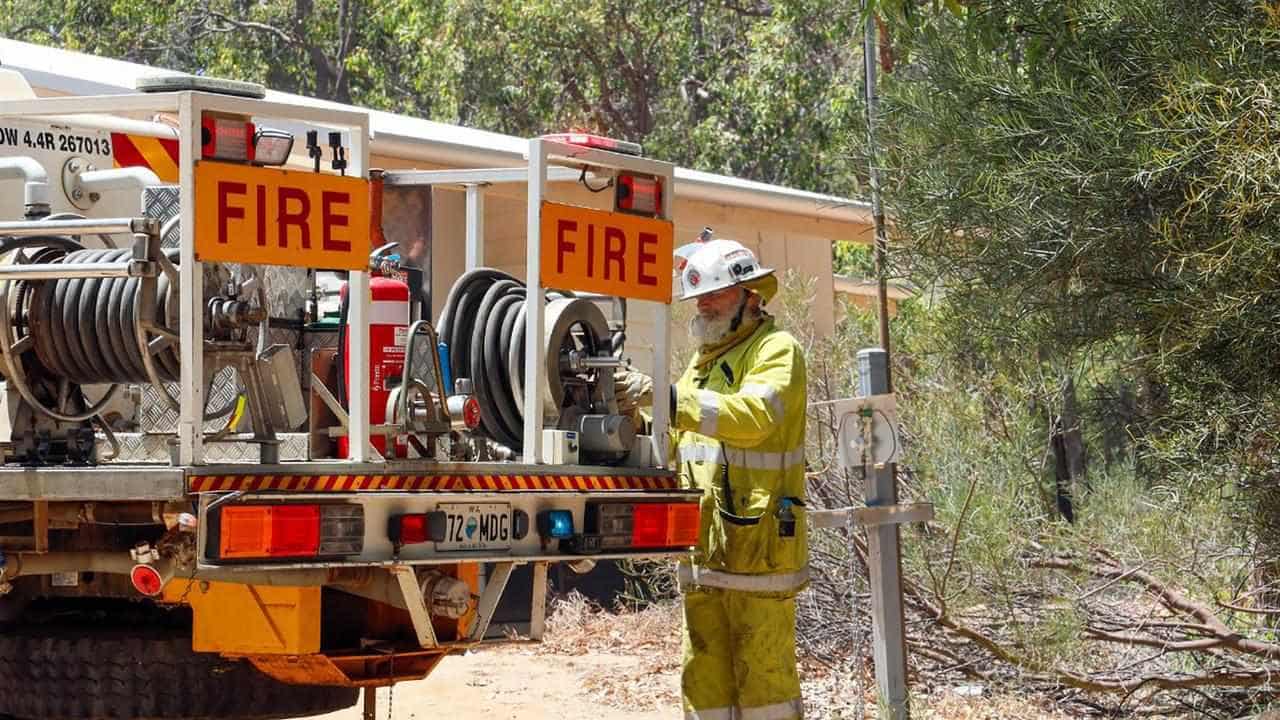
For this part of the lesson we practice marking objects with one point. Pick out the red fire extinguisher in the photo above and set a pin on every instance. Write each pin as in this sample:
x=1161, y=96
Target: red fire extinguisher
x=388, y=337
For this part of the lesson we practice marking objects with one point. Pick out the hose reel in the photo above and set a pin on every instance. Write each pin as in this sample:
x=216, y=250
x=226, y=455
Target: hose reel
x=102, y=317
x=483, y=322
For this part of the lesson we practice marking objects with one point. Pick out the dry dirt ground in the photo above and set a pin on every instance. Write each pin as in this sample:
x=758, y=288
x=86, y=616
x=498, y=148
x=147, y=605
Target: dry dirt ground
x=605, y=666
x=512, y=682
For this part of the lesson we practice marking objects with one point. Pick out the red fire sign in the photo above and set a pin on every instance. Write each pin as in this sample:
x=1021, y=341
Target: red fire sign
x=606, y=252
x=268, y=216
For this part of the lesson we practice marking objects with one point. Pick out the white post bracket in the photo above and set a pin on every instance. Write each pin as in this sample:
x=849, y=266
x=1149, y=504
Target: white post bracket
x=867, y=431
x=871, y=516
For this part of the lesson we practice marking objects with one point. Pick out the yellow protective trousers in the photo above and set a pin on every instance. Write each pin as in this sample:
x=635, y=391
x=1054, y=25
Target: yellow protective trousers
x=740, y=656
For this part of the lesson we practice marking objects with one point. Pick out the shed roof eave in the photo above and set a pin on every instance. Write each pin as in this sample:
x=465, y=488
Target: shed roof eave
x=851, y=285
x=710, y=187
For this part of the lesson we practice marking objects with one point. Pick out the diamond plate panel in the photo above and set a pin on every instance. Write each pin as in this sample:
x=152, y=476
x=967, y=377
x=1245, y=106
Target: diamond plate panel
x=424, y=363
x=286, y=286
x=137, y=448
x=158, y=417
x=145, y=448
x=286, y=291
x=161, y=203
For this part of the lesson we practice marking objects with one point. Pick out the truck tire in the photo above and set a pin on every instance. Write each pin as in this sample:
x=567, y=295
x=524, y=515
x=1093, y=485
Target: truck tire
x=82, y=675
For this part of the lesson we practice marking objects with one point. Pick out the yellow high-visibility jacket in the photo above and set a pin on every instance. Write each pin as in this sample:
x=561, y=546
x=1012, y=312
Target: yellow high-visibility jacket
x=741, y=409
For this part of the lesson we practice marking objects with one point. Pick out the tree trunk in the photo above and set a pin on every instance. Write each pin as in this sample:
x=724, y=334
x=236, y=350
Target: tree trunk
x=1067, y=445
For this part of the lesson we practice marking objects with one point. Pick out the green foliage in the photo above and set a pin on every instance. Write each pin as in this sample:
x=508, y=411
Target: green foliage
x=759, y=92
x=975, y=449
x=853, y=259
x=1088, y=192
x=763, y=96
x=1093, y=185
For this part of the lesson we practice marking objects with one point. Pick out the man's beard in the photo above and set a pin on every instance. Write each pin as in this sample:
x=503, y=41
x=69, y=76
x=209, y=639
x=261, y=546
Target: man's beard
x=711, y=329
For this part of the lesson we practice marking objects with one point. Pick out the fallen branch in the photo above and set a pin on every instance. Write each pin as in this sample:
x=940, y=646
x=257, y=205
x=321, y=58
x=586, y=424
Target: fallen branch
x=1105, y=566
x=1103, y=682
x=1248, y=610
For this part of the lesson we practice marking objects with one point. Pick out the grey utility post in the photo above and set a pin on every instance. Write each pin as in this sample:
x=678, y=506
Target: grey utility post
x=884, y=558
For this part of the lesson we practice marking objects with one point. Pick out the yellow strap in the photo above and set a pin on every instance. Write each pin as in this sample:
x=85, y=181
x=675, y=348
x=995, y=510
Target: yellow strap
x=237, y=415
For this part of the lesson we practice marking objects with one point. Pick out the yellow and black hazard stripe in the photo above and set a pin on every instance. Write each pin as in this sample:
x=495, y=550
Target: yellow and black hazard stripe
x=158, y=154
x=443, y=483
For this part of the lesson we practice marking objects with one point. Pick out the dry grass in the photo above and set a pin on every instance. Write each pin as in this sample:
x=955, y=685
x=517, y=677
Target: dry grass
x=832, y=694
x=948, y=706
x=650, y=637
x=648, y=643
x=577, y=626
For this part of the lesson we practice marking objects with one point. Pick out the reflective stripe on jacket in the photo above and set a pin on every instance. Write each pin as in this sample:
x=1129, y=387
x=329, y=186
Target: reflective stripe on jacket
x=743, y=410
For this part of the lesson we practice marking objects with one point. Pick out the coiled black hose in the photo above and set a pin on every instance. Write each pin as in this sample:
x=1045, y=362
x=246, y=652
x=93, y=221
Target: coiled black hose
x=478, y=321
x=84, y=328
x=483, y=322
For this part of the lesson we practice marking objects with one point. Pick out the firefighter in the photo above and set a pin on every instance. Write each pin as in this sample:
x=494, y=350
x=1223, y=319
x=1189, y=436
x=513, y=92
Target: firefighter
x=738, y=420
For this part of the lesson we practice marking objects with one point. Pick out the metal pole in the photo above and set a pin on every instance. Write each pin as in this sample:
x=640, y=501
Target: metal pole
x=869, y=57
x=190, y=292
x=359, y=308
x=662, y=350
x=65, y=271
x=535, y=367
x=475, y=226
x=31, y=228
x=884, y=559
x=370, y=702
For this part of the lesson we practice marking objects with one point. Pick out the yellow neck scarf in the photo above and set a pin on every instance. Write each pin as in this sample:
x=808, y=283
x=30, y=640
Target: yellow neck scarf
x=707, y=354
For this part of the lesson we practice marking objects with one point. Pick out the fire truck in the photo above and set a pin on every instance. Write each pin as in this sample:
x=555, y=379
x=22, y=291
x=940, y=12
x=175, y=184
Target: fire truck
x=245, y=471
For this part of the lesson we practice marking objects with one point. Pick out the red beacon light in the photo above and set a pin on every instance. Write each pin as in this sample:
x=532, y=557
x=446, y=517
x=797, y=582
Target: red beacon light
x=639, y=195
x=226, y=138
x=596, y=142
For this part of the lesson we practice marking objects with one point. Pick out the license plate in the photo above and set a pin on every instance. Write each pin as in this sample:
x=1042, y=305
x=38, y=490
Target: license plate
x=476, y=526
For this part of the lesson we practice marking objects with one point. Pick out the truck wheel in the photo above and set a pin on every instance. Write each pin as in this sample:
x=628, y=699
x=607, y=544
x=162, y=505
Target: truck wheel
x=80, y=675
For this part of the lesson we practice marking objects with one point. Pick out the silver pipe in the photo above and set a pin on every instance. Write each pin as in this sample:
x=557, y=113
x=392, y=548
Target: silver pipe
x=35, y=191
x=125, y=178
x=579, y=361
x=23, y=168
x=689, y=184
x=74, y=227
x=478, y=176
x=65, y=271
x=116, y=124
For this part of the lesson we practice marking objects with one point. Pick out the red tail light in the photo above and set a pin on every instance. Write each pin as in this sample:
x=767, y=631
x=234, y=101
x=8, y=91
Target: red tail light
x=417, y=528
x=644, y=525
x=649, y=525
x=270, y=531
x=239, y=532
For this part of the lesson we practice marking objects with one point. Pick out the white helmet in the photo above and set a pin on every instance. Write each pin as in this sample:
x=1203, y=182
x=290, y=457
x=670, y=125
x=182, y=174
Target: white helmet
x=705, y=267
